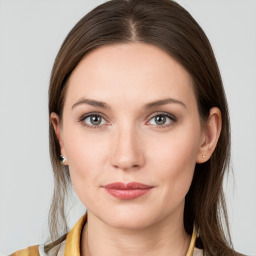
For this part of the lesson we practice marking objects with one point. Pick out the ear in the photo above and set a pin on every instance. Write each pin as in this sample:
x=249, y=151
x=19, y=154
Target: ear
x=55, y=120
x=210, y=135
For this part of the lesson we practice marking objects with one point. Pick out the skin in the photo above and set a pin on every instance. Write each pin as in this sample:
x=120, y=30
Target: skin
x=129, y=145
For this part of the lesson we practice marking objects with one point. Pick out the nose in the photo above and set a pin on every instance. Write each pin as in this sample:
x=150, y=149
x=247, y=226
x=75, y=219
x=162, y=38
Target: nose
x=127, y=151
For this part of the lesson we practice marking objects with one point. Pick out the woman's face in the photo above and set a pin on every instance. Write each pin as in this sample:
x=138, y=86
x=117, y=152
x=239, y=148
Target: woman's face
x=130, y=116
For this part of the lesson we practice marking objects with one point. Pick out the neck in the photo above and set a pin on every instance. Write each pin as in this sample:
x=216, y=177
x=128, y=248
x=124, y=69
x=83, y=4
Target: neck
x=167, y=237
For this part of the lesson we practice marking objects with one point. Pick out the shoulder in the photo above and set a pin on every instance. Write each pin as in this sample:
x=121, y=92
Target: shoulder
x=30, y=251
x=198, y=252
x=38, y=250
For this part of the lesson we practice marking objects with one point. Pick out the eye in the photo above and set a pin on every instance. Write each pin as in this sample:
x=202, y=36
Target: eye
x=93, y=120
x=162, y=120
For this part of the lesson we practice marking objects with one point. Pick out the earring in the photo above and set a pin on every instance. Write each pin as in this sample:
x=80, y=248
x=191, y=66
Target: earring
x=63, y=159
x=203, y=156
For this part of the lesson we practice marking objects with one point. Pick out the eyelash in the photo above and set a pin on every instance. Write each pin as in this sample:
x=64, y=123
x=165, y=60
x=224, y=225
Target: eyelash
x=82, y=120
x=172, y=118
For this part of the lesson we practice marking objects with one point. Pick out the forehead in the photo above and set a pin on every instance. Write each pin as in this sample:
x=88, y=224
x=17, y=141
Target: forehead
x=134, y=71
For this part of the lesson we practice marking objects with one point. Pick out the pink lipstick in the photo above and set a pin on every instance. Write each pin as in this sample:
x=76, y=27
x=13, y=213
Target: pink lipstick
x=127, y=191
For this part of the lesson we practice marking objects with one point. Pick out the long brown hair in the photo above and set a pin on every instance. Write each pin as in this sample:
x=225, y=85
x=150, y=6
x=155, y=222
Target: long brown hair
x=167, y=25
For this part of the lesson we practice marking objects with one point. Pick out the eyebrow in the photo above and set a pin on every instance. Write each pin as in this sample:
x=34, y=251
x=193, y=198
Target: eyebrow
x=93, y=103
x=101, y=104
x=164, y=102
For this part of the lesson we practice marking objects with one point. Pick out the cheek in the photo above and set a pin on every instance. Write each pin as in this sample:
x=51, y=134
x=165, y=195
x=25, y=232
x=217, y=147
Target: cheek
x=175, y=158
x=86, y=156
x=170, y=161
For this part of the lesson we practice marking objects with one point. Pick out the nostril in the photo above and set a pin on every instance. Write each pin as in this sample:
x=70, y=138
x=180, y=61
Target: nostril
x=126, y=153
x=126, y=164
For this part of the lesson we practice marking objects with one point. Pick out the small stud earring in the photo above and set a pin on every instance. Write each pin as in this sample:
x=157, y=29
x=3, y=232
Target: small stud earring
x=203, y=156
x=63, y=159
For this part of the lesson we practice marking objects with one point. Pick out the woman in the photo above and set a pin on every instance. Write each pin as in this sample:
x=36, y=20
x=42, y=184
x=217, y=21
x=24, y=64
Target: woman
x=139, y=125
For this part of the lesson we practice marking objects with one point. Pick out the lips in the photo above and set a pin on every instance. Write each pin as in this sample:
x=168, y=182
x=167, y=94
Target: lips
x=127, y=191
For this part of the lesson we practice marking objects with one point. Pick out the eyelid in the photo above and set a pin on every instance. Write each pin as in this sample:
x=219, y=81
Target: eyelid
x=83, y=117
x=168, y=115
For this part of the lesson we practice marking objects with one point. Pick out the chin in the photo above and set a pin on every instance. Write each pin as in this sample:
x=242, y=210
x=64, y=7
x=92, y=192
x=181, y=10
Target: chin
x=128, y=223
x=130, y=219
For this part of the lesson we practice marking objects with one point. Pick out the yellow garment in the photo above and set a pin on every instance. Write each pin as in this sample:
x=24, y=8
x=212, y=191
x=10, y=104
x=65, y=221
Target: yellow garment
x=72, y=246
x=30, y=251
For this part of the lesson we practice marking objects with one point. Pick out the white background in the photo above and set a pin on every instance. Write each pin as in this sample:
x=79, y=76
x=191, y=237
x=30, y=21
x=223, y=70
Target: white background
x=31, y=32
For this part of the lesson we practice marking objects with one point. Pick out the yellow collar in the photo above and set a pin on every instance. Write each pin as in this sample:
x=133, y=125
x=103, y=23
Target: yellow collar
x=72, y=247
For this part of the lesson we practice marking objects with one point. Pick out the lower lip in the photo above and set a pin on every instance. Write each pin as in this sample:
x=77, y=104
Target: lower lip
x=127, y=194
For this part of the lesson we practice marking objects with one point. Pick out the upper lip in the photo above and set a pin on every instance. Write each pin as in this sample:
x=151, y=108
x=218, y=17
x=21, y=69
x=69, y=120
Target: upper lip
x=127, y=186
